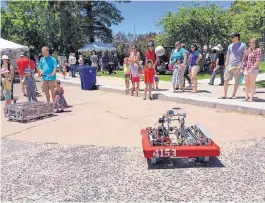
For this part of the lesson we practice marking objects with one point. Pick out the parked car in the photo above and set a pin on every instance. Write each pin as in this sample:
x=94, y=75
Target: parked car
x=162, y=67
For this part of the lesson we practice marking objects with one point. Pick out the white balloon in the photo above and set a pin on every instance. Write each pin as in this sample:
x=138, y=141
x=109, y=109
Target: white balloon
x=160, y=51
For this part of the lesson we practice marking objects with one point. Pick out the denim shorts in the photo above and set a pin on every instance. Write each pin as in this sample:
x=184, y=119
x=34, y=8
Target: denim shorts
x=7, y=94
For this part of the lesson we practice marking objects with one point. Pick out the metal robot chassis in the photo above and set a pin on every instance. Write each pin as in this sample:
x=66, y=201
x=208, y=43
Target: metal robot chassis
x=172, y=139
x=26, y=111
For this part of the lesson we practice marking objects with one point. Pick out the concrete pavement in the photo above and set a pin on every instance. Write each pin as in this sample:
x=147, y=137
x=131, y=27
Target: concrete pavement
x=68, y=173
x=110, y=119
x=207, y=95
x=43, y=161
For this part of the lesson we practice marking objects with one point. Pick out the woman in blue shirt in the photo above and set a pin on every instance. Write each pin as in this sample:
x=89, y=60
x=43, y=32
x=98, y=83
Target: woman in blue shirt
x=194, y=67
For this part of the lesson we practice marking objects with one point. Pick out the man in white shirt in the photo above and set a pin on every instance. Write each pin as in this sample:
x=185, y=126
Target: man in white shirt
x=72, y=62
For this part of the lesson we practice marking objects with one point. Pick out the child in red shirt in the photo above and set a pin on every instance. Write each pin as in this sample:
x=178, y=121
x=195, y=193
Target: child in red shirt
x=149, y=73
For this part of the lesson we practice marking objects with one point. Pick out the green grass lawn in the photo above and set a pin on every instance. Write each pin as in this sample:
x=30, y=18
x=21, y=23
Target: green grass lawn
x=119, y=74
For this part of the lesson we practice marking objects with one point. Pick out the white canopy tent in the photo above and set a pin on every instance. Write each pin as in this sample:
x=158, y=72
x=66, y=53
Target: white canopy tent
x=6, y=45
x=11, y=49
x=97, y=46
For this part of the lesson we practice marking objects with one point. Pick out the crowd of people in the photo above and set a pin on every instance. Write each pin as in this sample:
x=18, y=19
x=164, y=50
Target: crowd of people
x=47, y=68
x=240, y=62
x=106, y=62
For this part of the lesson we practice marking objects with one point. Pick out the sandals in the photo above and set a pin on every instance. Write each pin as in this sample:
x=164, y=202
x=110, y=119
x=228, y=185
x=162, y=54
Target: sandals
x=246, y=99
x=233, y=97
x=222, y=97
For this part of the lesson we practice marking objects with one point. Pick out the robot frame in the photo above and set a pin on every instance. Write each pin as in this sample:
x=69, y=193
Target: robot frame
x=166, y=140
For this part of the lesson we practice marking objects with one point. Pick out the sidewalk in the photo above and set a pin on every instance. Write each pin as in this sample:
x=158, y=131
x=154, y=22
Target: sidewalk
x=206, y=96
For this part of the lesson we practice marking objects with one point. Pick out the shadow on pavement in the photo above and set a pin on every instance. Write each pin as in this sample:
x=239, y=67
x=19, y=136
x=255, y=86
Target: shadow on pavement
x=33, y=120
x=255, y=99
x=166, y=163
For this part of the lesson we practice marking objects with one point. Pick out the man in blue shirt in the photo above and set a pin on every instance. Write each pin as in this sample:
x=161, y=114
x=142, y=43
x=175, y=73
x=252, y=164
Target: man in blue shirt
x=48, y=66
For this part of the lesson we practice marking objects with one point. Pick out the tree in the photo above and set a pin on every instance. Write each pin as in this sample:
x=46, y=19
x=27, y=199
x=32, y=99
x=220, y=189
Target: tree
x=248, y=18
x=123, y=41
x=205, y=25
x=63, y=26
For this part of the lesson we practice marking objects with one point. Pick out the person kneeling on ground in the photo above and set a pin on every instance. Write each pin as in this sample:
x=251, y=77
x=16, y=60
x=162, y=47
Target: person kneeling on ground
x=149, y=73
x=59, y=102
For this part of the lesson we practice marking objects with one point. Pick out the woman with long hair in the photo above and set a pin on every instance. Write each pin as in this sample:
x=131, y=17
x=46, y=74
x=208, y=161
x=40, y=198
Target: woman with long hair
x=250, y=67
x=194, y=67
x=135, y=54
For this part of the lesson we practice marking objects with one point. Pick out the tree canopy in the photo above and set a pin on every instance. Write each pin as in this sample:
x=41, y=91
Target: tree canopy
x=64, y=26
x=210, y=24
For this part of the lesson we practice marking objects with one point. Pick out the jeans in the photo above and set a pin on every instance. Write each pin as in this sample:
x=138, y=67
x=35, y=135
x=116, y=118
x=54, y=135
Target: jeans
x=31, y=94
x=186, y=75
x=220, y=70
x=72, y=69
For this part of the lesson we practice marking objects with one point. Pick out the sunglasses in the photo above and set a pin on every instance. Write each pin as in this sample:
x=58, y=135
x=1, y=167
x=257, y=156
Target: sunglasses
x=133, y=48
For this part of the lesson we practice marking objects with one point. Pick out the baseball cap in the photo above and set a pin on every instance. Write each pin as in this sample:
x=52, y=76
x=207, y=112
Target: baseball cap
x=177, y=43
x=150, y=44
x=27, y=70
x=235, y=34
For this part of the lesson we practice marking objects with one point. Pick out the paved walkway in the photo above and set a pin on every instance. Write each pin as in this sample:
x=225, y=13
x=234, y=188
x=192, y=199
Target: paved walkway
x=207, y=95
x=218, y=81
x=43, y=161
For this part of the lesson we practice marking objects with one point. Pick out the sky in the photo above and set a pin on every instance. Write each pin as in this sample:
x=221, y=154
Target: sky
x=135, y=13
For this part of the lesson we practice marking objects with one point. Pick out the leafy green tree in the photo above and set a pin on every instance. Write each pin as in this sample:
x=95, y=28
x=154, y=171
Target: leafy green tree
x=248, y=18
x=63, y=26
x=205, y=25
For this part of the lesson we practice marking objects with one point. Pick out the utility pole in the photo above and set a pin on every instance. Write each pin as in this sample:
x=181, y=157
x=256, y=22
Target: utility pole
x=134, y=33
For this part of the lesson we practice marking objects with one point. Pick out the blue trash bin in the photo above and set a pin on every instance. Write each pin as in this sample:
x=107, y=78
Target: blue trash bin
x=88, y=77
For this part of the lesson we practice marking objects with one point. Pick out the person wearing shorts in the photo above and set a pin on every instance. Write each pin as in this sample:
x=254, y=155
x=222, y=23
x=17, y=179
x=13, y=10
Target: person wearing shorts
x=135, y=74
x=233, y=63
x=48, y=67
x=127, y=74
x=149, y=74
x=194, y=59
x=250, y=68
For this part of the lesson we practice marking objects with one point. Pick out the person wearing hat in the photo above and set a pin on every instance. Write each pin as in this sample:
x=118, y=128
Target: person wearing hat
x=233, y=63
x=150, y=52
x=5, y=83
x=29, y=84
x=7, y=65
x=220, y=65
